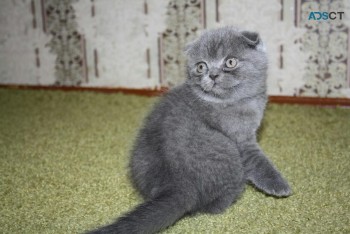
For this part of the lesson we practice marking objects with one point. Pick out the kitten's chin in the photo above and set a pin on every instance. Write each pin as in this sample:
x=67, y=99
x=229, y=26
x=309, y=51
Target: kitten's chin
x=215, y=94
x=216, y=89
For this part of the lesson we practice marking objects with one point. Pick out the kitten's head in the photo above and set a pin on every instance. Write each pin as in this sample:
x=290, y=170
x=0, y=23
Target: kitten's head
x=226, y=65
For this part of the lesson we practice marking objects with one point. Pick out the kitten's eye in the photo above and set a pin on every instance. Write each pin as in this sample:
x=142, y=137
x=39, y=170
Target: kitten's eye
x=201, y=67
x=231, y=63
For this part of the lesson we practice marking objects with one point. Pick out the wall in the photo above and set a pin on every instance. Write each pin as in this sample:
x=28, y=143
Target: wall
x=139, y=43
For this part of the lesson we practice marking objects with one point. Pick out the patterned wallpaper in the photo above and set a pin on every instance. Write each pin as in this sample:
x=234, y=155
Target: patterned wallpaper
x=65, y=42
x=183, y=22
x=327, y=67
x=139, y=43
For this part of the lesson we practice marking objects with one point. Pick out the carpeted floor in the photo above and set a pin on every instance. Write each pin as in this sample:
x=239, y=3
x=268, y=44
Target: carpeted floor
x=63, y=158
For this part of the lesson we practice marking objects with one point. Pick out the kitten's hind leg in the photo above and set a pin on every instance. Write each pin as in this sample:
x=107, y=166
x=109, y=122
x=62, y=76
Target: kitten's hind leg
x=261, y=172
x=220, y=204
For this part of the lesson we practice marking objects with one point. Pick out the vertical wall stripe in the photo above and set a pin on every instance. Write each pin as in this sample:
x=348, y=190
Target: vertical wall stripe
x=96, y=63
x=37, y=59
x=85, y=66
x=93, y=10
x=281, y=46
x=160, y=60
x=145, y=7
x=297, y=12
x=217, y=13
x=148, y=59
x=204, y=14
x=32, y=7
x=148, y=55
x=282, y=8
x=348, y=66
x=43, y=15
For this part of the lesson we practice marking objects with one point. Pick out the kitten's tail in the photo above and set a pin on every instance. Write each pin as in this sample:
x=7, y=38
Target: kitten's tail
x=149, y=217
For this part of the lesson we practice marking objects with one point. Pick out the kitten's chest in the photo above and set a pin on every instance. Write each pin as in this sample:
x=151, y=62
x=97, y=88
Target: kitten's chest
x=239, y=120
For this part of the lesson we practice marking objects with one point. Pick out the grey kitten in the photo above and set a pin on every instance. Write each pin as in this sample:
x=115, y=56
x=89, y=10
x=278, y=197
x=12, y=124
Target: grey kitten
x=198, y=147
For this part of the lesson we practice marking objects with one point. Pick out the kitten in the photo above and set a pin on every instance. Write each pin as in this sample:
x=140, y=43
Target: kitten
x=198, y=147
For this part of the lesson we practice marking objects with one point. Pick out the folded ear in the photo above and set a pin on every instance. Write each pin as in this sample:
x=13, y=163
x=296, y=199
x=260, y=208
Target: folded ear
x=188, y=47
x=251, y=38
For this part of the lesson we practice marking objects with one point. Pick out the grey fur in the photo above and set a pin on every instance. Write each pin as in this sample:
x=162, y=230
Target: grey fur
x=198, y=147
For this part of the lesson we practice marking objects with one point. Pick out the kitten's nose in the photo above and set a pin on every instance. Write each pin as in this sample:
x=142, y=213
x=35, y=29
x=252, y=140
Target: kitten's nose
x=213, y=76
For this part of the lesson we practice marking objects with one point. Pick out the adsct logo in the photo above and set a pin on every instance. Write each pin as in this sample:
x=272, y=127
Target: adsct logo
x=319, y=15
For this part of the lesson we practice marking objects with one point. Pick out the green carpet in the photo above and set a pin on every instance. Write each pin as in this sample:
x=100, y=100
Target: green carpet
x=63, y=158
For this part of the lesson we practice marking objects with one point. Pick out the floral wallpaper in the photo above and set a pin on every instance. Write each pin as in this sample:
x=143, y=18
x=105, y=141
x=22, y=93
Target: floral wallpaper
x=65, y=42
x=183, y=22
x=139, y=43
x=327, y=67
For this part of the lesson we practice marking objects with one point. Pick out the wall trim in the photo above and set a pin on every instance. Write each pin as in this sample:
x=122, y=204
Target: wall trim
x=310, y=100
x=159, y=91
x=143, y=92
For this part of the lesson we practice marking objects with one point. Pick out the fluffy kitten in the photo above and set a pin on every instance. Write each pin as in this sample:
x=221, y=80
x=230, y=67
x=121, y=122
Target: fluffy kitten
x=198, y=147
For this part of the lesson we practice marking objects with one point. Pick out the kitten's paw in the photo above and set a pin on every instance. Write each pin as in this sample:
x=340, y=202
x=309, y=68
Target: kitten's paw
x=275, y=186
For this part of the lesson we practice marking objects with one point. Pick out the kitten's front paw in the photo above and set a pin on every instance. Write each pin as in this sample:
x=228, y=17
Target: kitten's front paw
x=275, y=186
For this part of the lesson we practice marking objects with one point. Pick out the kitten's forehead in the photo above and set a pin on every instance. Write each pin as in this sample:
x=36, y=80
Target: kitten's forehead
x=216, y=44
